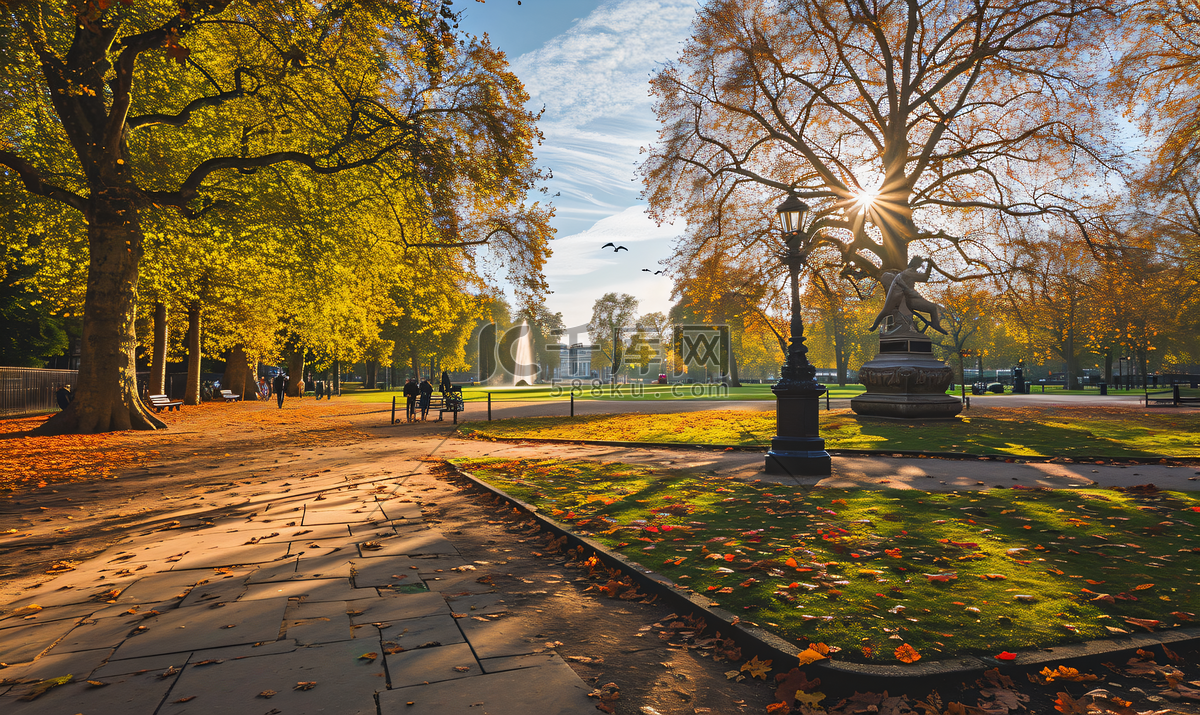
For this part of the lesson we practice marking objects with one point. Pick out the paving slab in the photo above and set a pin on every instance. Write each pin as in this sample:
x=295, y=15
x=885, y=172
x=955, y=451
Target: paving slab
x=493, y=639
x=552, y=689
x=163, y=662
x=147, y=664
x=315, y=532
x=429, y=541
x=317, y=517
x=215, y=591
x=398, y=606
x=282, y=570
x=458, y=583
x=395, y=570
x=431, y=665
x=79, y=664
x=68, y=595
x=113, y=610
x=22, y=644
x=47, y=615
x=127, y=695
x=327, y=622
x=157, y=587
x=309, y=590
x=231, y=556
x=198, y=628
x=345, y=684
x=339, y=565
x=517, y=662
x=96, y=633
x=413, y=633
x=384, y=527
x=401, y=510
x=479, y=604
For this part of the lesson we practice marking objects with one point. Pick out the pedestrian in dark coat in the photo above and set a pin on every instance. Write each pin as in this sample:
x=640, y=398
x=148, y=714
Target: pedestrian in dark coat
x=426, y=389
x=444, y=386
x=280, y=387
x=410, y=397
x=64, y=397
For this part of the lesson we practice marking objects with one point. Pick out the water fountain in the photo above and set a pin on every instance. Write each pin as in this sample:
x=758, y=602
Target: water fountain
x=523, y=356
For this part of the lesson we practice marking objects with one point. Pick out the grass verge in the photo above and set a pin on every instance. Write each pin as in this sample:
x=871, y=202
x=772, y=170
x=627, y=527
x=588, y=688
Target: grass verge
x=945, y=573
x=1027, y=431
x=654, y=393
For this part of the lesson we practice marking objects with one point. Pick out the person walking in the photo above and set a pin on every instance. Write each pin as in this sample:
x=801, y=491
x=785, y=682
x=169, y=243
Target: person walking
x=319, y=389
x=444, y=385
x=426, y=390
x=410, y=398
x=64, y=396
x=280, y=388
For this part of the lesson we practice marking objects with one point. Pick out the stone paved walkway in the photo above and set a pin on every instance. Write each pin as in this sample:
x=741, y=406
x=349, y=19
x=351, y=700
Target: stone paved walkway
x=334, y=597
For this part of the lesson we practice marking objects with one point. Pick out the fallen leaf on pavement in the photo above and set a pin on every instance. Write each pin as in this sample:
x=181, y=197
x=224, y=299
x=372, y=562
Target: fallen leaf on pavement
x=758, y=668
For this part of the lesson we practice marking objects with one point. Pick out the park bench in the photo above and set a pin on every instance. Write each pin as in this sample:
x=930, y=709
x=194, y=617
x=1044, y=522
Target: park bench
x=1161, y=398
x=161, y=402
x=451, y=401
x=230, y=396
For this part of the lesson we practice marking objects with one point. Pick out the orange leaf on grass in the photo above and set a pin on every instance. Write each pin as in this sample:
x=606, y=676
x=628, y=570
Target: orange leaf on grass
x=907, y=654
x=1143, y=587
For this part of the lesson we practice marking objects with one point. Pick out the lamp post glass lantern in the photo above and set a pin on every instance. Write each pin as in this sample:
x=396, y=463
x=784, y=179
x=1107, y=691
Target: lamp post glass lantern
x=797, y=448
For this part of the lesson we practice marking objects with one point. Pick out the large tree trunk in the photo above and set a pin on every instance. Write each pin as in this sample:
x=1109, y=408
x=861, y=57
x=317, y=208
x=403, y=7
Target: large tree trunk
x=1108, y=375
x=237, y=373
x=337, y=377
x=106, y=396
x=158, y=361
x=734, y=379
x=371, y=369
x=416, y=363
x=191, y=395
x=295, y=372
x=839, y=349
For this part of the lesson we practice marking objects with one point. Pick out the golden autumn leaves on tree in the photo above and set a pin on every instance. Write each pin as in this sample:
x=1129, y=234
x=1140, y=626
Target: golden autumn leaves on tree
x=121, y=111
x=942, y=123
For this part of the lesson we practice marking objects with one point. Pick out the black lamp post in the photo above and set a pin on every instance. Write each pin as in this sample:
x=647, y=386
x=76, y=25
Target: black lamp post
x=797, y=449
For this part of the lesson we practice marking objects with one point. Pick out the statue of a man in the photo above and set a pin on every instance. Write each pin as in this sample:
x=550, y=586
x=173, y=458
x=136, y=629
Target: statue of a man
x=903, y=300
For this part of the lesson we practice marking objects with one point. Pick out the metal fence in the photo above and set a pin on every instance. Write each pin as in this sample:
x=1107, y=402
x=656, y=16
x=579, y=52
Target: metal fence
x=30, y=391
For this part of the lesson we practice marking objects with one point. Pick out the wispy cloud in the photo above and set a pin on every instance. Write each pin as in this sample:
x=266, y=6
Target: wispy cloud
x=593, y=82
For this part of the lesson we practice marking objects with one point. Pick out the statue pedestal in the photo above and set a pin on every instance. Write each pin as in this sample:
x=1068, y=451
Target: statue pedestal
x=906, y=381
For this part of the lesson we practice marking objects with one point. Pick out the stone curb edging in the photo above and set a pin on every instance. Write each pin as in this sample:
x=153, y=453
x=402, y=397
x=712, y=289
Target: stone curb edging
x=963, y=456
x=764, y=642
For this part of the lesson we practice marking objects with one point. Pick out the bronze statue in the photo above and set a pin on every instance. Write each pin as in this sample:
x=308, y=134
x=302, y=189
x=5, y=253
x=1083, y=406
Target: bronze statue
x=903, y=301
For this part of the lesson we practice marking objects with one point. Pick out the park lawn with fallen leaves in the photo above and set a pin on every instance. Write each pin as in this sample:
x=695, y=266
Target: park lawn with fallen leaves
x=1010, y=431
x=871, y=571
x=29, y=460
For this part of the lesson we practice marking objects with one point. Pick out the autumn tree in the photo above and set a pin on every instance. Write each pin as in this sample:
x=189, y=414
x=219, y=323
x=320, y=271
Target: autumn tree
x=613, y=314
x=967, y=310
x=1050, y=298
x=943, y=125
x=99, y=92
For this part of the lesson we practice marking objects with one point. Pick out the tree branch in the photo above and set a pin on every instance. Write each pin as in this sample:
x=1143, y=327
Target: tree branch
x=185, y=115
x=35, y=184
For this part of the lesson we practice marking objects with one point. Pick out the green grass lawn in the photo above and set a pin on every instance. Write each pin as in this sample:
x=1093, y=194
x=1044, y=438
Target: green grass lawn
x=946, y=573
x=1064, y=431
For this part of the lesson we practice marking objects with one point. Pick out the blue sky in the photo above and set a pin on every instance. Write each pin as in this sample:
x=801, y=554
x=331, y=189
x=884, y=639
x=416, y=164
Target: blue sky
x=588, y=63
